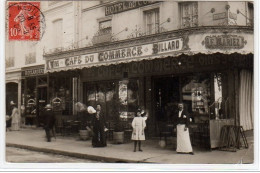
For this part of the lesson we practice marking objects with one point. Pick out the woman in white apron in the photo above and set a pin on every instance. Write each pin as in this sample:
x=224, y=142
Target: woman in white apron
x=183, y=136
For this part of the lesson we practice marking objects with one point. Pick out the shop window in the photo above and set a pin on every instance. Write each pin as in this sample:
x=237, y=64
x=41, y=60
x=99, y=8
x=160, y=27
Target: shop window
x=250, y=20
x=189, y=14
x=152, y=21
x=61, y=95
x=117, y=98
x=196, y=94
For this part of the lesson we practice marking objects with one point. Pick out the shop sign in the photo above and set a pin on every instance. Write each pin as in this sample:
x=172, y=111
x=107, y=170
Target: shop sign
x=117, y=55
x=167, y=46
x=224, y=42
x=33, y=72
x=126, y=5
x=72, y=61
x=219, y=16
x=130, y=52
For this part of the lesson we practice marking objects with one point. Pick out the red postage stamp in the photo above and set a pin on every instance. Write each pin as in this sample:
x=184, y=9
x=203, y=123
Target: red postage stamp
x=24, y=21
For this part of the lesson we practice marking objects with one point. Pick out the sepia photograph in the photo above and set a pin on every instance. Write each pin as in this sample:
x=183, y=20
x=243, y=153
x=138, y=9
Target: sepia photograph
x=129, y=82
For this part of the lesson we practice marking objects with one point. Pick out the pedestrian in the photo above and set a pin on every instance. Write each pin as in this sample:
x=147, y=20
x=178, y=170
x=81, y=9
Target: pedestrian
x=183, y=137
x=98, y=126
x=16, y=118
x=49, y=121
x=138, y=125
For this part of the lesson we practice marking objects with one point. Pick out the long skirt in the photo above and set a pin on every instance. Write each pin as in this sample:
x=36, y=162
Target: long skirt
x=99, y=138
x=15, y=126
x=183, y=140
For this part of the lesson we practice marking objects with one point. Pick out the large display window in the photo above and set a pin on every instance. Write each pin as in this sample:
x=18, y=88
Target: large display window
x=117, y=98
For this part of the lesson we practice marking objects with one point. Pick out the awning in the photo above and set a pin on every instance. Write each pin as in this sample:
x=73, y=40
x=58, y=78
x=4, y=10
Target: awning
x=203, y=43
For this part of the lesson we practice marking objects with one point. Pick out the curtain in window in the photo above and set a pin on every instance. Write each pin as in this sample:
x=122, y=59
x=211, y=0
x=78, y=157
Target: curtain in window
x=152, y=21
x=189, y=12
x=246, y=100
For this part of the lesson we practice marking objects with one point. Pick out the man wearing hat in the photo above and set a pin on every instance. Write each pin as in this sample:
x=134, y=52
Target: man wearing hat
x=49, y=121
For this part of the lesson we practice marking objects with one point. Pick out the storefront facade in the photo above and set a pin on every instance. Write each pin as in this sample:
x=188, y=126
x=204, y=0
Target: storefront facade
x=156, y=72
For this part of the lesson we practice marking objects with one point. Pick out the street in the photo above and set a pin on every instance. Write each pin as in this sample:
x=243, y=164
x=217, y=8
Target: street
x=17, y=155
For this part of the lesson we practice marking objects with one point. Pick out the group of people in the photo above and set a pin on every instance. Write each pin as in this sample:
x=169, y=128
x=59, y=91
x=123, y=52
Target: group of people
x=138, y=125
x=13, y=121
x=138, y=133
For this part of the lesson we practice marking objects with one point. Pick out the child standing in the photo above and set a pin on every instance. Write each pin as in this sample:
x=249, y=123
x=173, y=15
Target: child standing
x=138, y=125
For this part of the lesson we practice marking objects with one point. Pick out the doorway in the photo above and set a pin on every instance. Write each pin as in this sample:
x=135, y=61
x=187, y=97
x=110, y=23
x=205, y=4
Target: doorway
x=166, y=96
x=41, y=103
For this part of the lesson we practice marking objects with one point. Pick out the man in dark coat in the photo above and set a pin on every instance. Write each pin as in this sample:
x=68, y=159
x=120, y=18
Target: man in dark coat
x=49, y=121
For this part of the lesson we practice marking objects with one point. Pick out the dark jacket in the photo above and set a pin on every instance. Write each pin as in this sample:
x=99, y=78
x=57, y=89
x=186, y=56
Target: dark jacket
x=182, y=120
x=49, y=119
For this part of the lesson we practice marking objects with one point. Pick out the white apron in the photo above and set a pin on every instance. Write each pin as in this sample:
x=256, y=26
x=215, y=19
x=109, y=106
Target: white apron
x=183, y=140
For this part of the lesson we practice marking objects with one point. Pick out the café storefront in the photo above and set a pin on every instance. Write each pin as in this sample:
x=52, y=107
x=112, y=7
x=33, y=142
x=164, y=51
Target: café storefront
x=158, y=71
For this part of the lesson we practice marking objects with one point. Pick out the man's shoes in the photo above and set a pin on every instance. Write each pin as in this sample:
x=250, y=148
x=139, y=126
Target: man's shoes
x=140, y=150
x=134, y=150
x=191, y=153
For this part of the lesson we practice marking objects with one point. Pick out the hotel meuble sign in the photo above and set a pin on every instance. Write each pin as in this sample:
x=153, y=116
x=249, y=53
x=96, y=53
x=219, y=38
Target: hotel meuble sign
x=125, y=5
x=117, y=55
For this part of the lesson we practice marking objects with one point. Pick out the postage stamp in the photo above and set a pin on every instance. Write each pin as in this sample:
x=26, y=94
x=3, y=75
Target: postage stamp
x=25, y=21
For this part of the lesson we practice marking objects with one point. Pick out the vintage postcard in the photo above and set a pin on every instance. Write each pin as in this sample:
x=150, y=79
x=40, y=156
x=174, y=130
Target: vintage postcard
x=161, y=82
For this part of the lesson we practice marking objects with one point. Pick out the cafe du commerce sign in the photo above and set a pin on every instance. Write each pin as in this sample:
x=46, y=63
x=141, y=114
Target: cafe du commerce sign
x=224, y=42
x=117, y=55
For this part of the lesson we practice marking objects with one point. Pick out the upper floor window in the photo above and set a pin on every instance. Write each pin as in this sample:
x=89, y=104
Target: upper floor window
x=105, y=27
x=52, y=2
x=152, y=21
x=57, y=33
x=189, y=14
x=250, y=21
x=9, y=60
x=30, y=58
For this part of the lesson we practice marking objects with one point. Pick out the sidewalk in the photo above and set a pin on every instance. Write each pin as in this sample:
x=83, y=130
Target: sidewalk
x=34, y=139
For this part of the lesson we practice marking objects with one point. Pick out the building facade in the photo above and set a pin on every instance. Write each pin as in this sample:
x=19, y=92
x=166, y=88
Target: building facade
x=125, y=55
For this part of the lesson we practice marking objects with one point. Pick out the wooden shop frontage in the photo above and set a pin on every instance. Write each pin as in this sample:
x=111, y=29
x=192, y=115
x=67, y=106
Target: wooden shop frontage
x=209, y=70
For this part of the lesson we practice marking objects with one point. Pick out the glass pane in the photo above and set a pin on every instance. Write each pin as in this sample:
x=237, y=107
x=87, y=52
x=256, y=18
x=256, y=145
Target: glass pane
x=111, y=101
x=133, y=97
x=196, y=94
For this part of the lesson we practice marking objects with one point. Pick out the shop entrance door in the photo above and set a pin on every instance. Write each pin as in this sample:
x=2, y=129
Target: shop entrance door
x=166, y=97
x=41, y=103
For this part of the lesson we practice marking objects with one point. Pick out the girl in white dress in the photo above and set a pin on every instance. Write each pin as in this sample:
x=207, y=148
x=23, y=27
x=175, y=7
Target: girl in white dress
x=138, y=125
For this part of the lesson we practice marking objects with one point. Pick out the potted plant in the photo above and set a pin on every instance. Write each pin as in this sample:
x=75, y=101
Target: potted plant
x=118, y=134
x=84, y=132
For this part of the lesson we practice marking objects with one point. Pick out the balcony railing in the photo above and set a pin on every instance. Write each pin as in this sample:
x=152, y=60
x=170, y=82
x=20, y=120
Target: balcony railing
x=102, y=36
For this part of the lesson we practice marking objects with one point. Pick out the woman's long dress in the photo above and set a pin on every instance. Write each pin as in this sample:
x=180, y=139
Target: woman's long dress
x=16, y=118
x=99, y=136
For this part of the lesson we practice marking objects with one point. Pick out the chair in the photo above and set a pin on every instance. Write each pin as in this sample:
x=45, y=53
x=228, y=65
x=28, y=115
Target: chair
x=59, y=126
x=127, y=131
x=166, y=130
x=67, y=127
